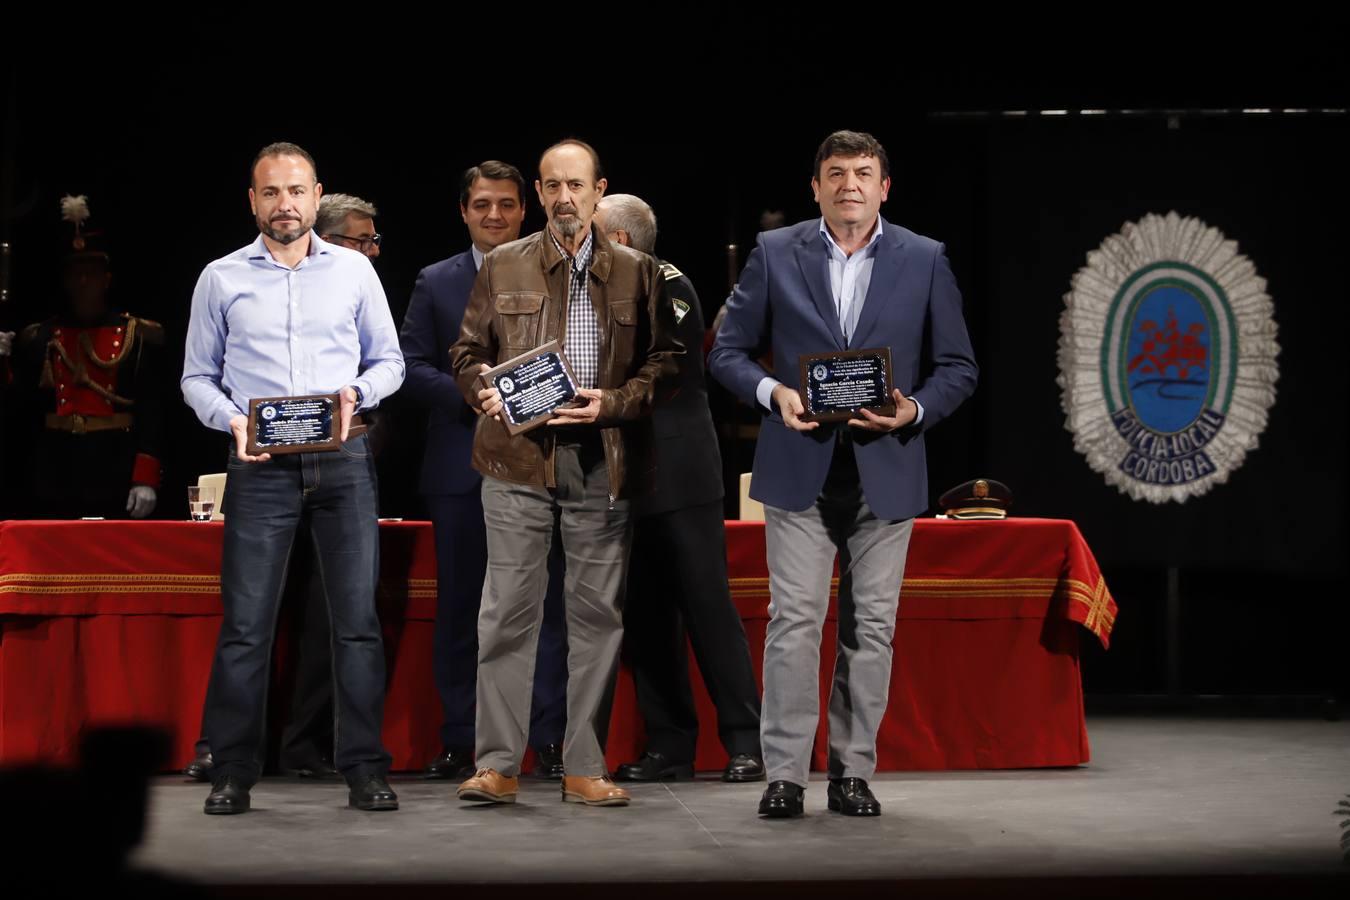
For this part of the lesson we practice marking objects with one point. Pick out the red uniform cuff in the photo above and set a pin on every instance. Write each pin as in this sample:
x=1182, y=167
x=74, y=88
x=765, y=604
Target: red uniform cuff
x=146, y=471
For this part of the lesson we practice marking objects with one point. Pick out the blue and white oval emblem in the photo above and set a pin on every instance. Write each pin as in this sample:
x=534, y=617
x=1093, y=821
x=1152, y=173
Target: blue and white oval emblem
x=819, y=373
x=269, y=413
x=1167, y=358
x=506, y=385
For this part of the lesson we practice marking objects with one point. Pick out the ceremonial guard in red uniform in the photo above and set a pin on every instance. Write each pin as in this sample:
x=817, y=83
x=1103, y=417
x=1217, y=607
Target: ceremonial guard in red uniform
x=88, y=385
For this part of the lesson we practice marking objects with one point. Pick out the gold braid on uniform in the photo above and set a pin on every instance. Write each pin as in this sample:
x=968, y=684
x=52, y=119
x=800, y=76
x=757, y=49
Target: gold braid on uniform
x=87, y=345
x=81, y=374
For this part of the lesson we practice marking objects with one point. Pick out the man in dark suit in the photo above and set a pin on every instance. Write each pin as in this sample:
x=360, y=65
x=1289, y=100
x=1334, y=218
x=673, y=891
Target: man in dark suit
x=848, y=280
x=677, y=582
x=492, y=203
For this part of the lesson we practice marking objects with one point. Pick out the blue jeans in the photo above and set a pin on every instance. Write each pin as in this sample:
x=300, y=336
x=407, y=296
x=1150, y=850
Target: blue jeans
x=264, y=503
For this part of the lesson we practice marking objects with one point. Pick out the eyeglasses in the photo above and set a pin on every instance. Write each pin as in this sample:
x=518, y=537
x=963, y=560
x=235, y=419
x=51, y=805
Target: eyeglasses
x=362, y=244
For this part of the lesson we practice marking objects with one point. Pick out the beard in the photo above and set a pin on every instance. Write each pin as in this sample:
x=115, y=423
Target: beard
x=565, y=219
x=270, y=228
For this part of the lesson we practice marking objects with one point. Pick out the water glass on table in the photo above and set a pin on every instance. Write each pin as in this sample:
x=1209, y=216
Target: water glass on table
x=201, y=504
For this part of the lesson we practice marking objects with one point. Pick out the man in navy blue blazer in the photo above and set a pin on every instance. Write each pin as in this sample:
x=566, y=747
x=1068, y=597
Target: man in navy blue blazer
x=492, y=203
x=848, y=280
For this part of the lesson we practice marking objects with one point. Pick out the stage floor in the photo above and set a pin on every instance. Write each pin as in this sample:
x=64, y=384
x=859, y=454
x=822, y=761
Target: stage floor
x=1164, y=797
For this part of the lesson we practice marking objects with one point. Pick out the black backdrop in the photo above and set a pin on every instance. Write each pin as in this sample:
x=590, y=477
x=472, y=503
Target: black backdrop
x=1018, y=200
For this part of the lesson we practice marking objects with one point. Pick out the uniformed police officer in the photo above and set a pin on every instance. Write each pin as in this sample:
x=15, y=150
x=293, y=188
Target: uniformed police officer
x=677, y=582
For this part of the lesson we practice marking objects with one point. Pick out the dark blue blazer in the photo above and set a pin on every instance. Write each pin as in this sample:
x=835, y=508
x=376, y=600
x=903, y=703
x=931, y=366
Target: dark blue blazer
x=429, y=328
x=783, y=303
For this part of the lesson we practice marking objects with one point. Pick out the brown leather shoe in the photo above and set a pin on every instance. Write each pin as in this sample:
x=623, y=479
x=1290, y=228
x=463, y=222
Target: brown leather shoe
x=595, y=790
x=490, y=786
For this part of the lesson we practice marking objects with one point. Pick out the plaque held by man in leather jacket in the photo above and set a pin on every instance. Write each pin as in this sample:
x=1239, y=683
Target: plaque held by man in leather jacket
x=532, y=386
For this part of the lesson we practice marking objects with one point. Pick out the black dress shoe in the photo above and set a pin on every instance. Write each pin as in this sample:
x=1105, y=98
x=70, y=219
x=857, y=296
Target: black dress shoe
x=371, y=792
x=654, y=766
x=315, y=768
x=548, y=762
x=228, y=796
x=782, y=800
x=744, y=767
x=852, y=797
x=200, y=768
x=451, y=764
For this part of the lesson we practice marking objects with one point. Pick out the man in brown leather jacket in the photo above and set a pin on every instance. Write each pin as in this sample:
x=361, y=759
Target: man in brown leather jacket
x=607, y=306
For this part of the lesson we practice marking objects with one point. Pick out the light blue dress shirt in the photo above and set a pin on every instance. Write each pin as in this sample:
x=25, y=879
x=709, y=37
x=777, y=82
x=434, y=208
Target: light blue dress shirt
x=261, y=329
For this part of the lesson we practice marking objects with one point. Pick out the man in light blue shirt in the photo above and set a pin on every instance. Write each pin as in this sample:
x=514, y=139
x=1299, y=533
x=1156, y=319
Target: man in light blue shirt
x=292, y=315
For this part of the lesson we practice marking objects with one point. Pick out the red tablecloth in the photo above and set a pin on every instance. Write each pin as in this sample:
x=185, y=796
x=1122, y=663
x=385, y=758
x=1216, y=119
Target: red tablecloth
x=110, y=622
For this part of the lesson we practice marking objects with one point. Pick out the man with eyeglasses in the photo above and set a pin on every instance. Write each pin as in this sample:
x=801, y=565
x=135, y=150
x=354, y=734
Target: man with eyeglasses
x=307, y=741
x=349, y=221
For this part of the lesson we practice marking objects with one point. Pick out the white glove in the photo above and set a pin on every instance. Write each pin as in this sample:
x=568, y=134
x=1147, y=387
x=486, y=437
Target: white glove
x=6, y=343
x=141, y=501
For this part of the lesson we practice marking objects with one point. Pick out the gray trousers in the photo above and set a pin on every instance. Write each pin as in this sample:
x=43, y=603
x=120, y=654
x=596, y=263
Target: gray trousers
x=801, y=548
x=596, y=538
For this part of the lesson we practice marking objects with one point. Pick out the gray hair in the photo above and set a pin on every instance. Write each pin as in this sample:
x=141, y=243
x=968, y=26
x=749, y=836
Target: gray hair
x=334, y=209
x=625, y=212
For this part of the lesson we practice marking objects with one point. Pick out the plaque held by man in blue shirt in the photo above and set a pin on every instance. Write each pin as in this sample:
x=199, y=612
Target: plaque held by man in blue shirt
x=305, y=424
